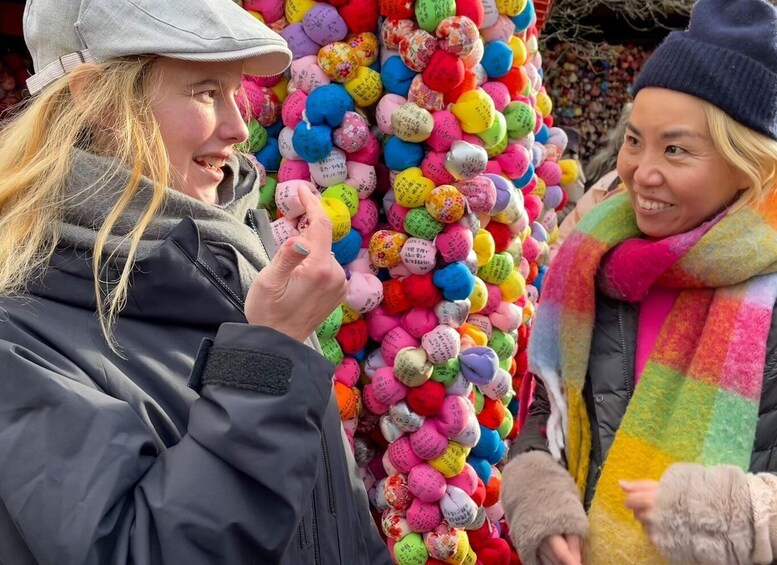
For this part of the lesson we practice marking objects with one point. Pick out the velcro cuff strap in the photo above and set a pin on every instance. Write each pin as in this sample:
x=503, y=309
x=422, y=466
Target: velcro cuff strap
x=256, y=371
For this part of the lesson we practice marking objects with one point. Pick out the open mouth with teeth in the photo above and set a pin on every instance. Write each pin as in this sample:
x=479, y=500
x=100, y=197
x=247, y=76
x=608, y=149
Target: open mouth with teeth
x=646, y=204
x=212, y=163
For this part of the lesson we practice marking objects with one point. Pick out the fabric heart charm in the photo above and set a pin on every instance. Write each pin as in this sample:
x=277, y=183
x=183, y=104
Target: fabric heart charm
x=444, y=71
x=385, y=246
x=331, y=170
x=423, y=516
x=441, y=344
x=396, y=9
x=446, y=204
x=386, y=388
x=426, y=483
x=454, y=243
x=352, y=134
x=323, y=24
x=416, y=49
x=366, y=47
x=411, y=123
x=283, y=229
x=465, y=160
x=458, y=509
x=271, y=10
x=363, y=178
x=411, y=366
x=418, y=255
x=365, y=87
x=479, y=365
x=419, y=321
x=366, y=218
x=446, y=130
x=293, y=107
x=380, y=322
x=514, y=160
x=360, y=15
x=394, y=524
x=455, y=281
x=404, y=418
x=502, y=30
x=429, y=13
x=472, y=9
x=328, y=104
x=427, y=442
x=475, y=111
x=433, y=168
x=388, y=104
x=393, y=29
x=452, y=313
x=425, y=97
x=365, y=291
x=338, y=61
x=457, y=35
x=348, y=372
x=411, y=188
x=396, y=76
x=295, y=10
x=480, y=193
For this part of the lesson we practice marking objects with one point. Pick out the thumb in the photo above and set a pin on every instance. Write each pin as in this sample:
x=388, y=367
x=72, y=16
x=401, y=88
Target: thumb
x=291, y=254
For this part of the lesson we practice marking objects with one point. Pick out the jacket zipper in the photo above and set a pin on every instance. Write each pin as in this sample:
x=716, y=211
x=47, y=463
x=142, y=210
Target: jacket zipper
x=316, y=543
x=217, y=282
x=623, y=351
x=328, y=472
x=255, y=228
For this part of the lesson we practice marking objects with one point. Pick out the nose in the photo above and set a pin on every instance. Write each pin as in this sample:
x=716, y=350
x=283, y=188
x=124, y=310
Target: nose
x=647, y=171
x=232, y=126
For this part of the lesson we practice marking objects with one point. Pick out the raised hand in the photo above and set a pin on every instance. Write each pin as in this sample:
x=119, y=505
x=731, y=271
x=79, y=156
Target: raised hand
x=303, y=283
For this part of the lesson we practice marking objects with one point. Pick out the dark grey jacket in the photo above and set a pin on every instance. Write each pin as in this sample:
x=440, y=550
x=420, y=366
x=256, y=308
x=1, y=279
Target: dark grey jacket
x=108, y=460
x=612, y=361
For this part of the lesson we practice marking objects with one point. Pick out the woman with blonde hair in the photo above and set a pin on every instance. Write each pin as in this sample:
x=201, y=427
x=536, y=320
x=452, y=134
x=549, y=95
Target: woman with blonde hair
x=158, y=402
x=653, y=434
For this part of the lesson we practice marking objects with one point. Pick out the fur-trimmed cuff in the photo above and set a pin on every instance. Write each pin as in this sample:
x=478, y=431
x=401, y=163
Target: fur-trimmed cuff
x=763, y=500
x=540, y=499
x=703, y=515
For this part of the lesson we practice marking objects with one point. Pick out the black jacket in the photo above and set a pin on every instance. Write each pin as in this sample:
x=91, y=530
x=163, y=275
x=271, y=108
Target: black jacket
x=612, y=361
x=108, y=459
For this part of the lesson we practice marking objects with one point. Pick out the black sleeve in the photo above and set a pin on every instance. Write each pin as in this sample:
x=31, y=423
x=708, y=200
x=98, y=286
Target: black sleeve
x=532, y=436
x=81, y=480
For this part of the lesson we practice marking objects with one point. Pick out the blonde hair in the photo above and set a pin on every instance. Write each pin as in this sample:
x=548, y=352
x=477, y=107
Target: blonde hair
x=110, y=114
x=746, y=150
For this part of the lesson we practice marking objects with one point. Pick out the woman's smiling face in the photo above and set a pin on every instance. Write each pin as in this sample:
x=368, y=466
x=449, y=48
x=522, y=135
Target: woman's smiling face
x=199, y=119
x=674, y=175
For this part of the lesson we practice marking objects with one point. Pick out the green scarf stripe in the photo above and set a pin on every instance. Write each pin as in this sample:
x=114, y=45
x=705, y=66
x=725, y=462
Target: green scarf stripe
x=731, y=436
x=612, y=221
x=753, y=255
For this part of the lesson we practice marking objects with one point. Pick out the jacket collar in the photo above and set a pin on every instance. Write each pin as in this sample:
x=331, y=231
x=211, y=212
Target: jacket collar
x=177, y=283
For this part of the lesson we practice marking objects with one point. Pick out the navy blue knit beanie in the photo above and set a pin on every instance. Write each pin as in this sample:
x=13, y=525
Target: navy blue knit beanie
x=727, y=56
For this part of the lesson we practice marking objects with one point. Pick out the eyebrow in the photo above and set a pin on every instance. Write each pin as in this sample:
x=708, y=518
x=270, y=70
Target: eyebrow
x=670, y=135
x=206, y=82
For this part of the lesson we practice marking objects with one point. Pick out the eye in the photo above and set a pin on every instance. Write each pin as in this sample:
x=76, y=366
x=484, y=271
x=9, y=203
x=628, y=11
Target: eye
x=206, y=95
x=674, y=150
x=630, y=141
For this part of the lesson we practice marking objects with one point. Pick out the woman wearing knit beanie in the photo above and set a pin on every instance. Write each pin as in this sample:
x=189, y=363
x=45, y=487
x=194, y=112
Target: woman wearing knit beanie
x=161, y=400
x=653, y=433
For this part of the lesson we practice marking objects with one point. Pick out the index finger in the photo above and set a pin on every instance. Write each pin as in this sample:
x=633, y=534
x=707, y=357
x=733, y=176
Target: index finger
x=319, y=230
x=573, y=542
x=634, y=486
x=561, y=551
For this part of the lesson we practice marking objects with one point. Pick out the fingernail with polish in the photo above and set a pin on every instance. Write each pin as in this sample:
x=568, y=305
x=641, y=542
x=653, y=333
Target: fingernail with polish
x=301, y=249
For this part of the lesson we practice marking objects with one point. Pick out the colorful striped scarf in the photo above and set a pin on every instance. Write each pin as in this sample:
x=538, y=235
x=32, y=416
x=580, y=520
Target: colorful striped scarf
x=698, y=396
